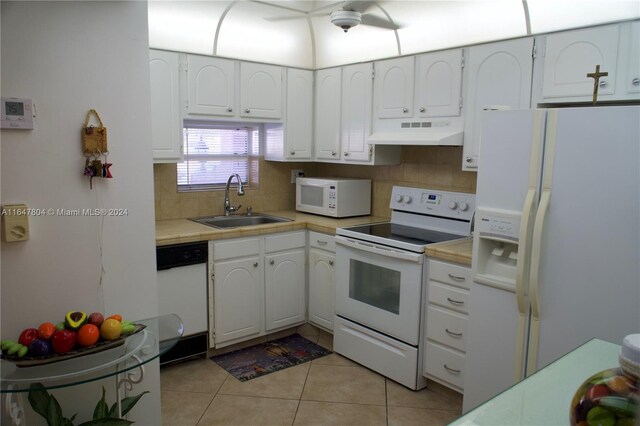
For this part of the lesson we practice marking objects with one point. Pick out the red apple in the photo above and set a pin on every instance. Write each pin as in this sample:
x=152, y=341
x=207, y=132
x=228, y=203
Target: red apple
x=63, y=341
x=27, y=336
x=96, y=319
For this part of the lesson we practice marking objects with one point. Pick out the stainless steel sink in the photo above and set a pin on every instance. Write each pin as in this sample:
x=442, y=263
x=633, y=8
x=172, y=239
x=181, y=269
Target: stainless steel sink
x=236, y=221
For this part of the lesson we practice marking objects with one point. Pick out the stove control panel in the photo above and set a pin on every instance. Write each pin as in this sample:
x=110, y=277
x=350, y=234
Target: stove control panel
x=458, y=205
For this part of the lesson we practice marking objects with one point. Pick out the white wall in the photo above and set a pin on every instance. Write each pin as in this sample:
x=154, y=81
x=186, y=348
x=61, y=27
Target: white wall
x=70, y=57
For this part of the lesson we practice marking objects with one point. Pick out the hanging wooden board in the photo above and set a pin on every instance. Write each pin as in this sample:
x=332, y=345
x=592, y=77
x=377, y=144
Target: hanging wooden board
x=94, y=138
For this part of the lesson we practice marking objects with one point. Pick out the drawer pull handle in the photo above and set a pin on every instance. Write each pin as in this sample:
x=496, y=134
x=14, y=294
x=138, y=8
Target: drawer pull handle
x=331, y=263
x=255, y=264
x=322, y=243
x=451, y=333
x=455, y=302
x=456, y=277
x=271, y=262
x=452, y=370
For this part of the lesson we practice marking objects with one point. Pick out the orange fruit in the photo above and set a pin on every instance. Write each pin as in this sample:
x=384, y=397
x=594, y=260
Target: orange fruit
x=116, y=317
x=45, y=330
x=88, y=335
x=110, y=329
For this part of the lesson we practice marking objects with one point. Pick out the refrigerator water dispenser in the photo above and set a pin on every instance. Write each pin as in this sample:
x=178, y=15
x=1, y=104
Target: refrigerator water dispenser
x=496, y=243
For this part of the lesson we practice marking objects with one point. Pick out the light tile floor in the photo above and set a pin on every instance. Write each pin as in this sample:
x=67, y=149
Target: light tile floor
x=327, y=391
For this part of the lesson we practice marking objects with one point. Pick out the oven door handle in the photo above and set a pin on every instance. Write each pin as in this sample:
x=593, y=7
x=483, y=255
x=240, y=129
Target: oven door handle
x=380, y=250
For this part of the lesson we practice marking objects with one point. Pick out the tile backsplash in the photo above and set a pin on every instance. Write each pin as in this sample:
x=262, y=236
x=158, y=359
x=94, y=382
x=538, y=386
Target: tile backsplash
x=432, y=167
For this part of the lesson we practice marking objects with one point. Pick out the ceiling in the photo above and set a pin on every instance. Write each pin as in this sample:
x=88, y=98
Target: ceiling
x=300, y=34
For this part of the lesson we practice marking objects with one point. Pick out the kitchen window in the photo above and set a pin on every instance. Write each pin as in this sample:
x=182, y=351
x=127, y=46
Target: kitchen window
x=215, y=151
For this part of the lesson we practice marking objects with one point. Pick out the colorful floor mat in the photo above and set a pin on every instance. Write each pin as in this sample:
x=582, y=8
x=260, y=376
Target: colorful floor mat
x=264, y=358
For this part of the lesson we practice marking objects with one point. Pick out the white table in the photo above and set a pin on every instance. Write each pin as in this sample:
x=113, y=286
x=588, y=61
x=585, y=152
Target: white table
x=545, y=397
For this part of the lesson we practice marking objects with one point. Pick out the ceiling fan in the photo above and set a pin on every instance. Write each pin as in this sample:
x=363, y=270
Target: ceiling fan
x=352, y=13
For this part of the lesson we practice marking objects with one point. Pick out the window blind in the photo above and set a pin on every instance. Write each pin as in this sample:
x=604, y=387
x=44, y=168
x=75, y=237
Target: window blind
x=215, y=151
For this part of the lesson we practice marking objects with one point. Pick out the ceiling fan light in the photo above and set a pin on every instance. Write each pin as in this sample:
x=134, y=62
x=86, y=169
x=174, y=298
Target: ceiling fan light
x=345, y=19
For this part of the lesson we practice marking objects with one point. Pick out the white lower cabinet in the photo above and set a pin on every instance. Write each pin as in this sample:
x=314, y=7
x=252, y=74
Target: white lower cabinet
x=322, y=280
x=237, y=290
x=284, y=286
x=258, y=285
x=446, y=323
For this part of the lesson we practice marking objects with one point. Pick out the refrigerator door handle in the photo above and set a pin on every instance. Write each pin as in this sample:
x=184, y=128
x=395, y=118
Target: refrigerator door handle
x=521, y=299
x=534, y=333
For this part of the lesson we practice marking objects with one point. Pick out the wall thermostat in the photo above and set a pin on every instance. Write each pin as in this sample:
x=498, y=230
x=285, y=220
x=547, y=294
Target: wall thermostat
x=17, y=113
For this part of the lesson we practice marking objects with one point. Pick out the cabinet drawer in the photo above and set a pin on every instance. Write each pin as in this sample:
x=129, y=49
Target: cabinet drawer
x=285, y=241
x=451, y=274
x=322, y=241
x=447, y=327
x=238, y=247
x=445, y=364
x=449, y=297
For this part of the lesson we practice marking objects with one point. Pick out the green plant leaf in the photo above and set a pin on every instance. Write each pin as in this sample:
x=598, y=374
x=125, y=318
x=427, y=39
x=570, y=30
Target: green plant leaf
x=54, y=412
x=102, y=409
x=129, y=402
x=107, y=421
x=39, y=399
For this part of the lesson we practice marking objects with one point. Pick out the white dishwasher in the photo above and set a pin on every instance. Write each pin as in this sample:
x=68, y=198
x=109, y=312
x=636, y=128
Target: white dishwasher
x=182, y=290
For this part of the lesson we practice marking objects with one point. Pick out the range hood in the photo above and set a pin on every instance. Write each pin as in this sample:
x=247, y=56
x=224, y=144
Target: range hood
x=447, y=136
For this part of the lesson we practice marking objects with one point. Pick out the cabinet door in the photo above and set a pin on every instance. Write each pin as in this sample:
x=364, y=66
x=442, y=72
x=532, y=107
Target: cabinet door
x=357, y=91
x=439, y=84
x=285, y=289
x=327, y=114
x=260, y=90
x=322, y=278
x=166, y=125
x=393, y=88
x=299, y=106
x=632, y=67
x=237, y=298
x=571, y=55
x=211, y=86
x=499, y=78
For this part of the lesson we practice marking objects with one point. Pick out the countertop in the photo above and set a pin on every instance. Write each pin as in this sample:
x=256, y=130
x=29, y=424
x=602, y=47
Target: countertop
x=458, y=251
x=178, y=231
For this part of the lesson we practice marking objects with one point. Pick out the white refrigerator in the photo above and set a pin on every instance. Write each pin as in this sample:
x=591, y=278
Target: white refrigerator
x=556, y=256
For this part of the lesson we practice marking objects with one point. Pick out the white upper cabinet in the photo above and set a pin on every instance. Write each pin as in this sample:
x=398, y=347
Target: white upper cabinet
x=631, y=68
x=571, y=55
x=438, y=84
x=299, y=122
x=393, y=88
x=293, y=139
x=260, y=90
x=357, y=92
x=211, y=84
x=327, y=114
x=166, y=124
x=499, y=77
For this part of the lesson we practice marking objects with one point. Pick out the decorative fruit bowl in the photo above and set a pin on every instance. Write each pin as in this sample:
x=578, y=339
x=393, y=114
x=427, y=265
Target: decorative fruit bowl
x=76, y=336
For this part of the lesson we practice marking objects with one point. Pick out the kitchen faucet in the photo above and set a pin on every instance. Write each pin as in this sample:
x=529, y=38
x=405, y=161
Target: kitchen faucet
x=228, y=208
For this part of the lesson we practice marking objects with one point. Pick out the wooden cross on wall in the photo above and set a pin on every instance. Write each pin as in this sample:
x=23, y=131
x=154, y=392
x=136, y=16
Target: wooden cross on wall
x=596, y=81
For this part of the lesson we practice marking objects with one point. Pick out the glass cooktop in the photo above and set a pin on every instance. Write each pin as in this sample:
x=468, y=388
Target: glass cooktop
x=403, y=233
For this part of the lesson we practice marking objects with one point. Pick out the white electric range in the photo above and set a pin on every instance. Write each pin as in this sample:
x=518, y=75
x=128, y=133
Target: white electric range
x=381, y=271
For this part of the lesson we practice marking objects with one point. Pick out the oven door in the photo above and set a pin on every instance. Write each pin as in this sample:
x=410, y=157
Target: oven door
x=379, y=287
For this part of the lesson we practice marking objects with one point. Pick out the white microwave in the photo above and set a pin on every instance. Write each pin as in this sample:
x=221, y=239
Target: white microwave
x=335, y=197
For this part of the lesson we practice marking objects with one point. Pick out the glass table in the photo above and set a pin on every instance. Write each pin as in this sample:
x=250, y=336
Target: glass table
x=124, y=362
x=544, y=398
